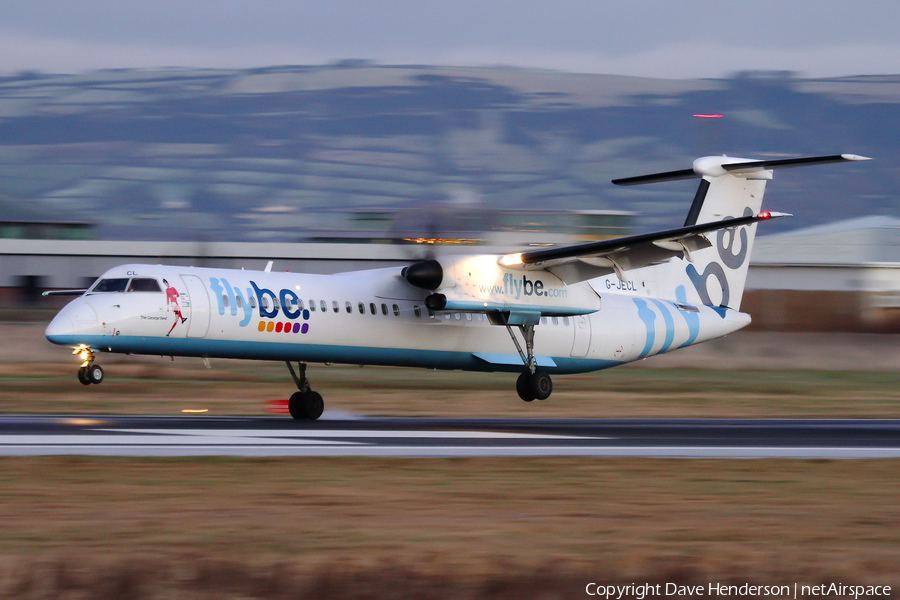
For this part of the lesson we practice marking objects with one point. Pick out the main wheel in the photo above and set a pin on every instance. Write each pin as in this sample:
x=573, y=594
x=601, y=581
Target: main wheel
x=94, y=374
x=313, y=405
x=523, y=387
x=306, y=405
x=82, y=376
x=295, y=406
x=541, y=385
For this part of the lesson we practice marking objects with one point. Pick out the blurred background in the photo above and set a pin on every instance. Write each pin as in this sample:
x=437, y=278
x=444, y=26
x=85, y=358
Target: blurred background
x=355, y=165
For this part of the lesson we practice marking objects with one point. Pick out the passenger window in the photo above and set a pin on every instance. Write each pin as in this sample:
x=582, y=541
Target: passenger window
x=265, y=303
x=468, y=316
x=225, y=300
x=447, y=316
x=299, y=304
x=238, y=302
x=312, y=305
x=555, y=320
x=417, y=311
x=349, y=308
x=543, y=320
x=322, y=306
x=384, y=309
x=139, y=284
x=335, y=307
x=362, y=308
x=480, y=316
x=396, y=310
x=276, y=302
x=253, y=301
x=566, y=321
x=372, y=308
x=458, y=316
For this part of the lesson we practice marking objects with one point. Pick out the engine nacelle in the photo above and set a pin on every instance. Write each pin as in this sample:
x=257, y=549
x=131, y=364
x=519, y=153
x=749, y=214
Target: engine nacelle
x=479, y=283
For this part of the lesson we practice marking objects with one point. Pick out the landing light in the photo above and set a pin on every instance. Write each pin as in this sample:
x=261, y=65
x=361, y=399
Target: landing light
x=194, y=411
x=85, y=355
x=511, y=259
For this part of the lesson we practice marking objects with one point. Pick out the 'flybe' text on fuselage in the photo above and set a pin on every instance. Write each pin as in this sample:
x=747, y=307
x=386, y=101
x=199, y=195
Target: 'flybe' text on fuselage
x=524, y=287
x=267, y=302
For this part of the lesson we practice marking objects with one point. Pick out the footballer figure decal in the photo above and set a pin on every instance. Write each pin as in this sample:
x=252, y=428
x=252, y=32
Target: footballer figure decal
x=172, y=304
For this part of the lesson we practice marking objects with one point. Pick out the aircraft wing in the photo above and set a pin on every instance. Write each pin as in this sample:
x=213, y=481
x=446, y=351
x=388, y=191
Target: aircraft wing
x=595, y=259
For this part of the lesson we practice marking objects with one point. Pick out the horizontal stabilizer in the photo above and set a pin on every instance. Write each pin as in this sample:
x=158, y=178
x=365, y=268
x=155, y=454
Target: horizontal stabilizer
x=714, y=166
x=657, y=177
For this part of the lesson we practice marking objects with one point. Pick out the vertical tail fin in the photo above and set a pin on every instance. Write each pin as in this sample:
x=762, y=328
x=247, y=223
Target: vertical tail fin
x=729, y=187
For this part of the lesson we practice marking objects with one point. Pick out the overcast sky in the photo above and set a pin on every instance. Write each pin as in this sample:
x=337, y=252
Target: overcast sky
x=657, y=38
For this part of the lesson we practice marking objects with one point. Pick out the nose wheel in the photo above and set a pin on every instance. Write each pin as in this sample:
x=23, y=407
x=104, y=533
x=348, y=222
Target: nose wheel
x=89, y=372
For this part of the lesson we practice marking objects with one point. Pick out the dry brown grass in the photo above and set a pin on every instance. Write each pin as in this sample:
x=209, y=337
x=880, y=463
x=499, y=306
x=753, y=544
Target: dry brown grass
x=233, y=387
x=473, y=518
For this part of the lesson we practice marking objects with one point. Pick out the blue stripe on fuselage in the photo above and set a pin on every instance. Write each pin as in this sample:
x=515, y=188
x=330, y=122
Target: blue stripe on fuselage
x=353, y=355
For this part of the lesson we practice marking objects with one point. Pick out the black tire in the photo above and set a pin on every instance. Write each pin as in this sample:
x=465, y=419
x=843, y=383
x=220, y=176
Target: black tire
x=82, y=376
x=295, y=406
x=94, y=374
x=541, y=385
x=313, y=405
x=523, y=387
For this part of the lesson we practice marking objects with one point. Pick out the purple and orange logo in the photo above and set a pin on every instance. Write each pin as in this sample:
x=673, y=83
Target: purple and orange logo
x=285, y=326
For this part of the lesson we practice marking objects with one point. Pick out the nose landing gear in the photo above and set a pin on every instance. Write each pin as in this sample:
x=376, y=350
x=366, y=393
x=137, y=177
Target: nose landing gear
x=89, y=372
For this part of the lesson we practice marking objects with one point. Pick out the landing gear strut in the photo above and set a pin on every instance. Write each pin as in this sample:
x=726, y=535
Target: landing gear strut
x=89, y=372
x=305, y=404
x=532, y=384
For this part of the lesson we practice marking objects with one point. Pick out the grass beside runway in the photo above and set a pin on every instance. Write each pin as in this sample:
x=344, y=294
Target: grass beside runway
x=552, y=524
x=245, y=388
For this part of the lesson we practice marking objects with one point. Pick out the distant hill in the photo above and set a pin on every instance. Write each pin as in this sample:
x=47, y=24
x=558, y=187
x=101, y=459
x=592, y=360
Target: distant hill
x=284, y=152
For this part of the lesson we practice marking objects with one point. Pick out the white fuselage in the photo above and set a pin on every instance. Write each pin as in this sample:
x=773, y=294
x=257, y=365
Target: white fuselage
x=371, y=318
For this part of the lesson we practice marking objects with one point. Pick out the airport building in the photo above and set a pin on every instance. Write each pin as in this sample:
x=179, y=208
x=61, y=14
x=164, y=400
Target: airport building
x=843, y=276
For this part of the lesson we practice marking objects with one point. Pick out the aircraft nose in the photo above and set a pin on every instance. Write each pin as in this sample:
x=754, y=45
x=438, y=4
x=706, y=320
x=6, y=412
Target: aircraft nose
x=73, y=321
x=61, y=326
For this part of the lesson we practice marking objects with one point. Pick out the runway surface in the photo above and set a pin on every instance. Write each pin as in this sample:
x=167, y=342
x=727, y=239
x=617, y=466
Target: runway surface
x=32, y=435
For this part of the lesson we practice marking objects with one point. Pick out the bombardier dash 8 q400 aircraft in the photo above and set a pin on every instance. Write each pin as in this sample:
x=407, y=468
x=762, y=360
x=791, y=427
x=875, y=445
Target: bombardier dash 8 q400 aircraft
x=537, y=312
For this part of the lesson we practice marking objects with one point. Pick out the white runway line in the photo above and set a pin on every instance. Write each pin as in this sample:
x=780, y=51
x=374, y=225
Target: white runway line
x=340, y=433
x=151, y=440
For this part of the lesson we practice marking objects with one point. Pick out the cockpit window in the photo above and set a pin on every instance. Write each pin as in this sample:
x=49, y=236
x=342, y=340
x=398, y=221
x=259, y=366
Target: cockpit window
x=110, y=285
x=144, y=285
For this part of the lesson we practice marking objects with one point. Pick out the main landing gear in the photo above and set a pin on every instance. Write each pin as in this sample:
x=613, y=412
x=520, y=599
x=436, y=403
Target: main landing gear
x=305, y=404
x=532, y=384
x=89, y=372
